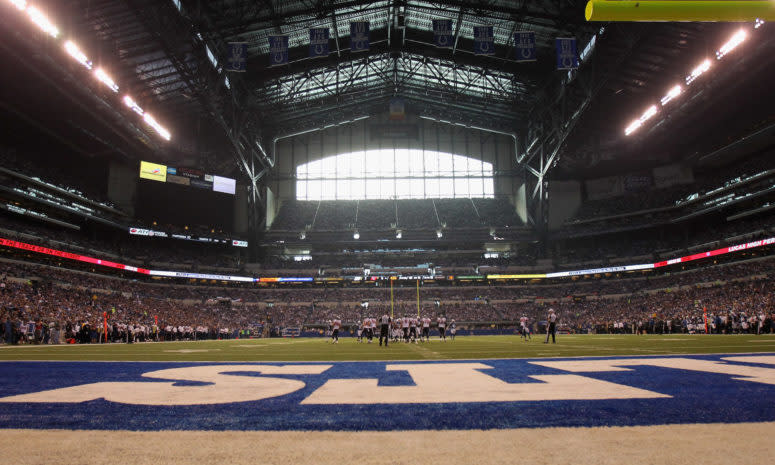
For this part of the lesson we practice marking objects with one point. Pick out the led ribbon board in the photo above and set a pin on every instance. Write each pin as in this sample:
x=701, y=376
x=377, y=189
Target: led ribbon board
x=561, y=274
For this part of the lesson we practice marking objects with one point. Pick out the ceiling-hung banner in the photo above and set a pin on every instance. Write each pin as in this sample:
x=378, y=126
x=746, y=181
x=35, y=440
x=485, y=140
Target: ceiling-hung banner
x=237, y=60
x=567, y=56
x=442, y=33
x=359, y=36
x=278, y=50
x=318, y=42
x=484, y=40
x=525, y=46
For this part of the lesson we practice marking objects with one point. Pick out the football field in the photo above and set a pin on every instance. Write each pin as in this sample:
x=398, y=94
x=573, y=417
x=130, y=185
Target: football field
x=597, y=399
x=462, y=348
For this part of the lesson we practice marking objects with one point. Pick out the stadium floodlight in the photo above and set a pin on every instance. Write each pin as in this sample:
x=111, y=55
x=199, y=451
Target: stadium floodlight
x=731, y=44
x=105, y=79
x=20, y=5
x=651, y=111
x=156, y=126
x=128, y=101
x=633, y=127
x=671, y=94
x=758, y=23
x=40, y=19
x=76, y=53
x=698, y=71
x=356, y=235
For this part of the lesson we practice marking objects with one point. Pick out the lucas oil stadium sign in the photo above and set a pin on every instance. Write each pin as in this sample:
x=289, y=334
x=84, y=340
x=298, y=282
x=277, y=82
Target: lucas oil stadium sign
x=388, y=395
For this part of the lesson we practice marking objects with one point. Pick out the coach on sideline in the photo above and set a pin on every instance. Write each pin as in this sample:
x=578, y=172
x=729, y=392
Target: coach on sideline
x=384, y=329
x=551, y=328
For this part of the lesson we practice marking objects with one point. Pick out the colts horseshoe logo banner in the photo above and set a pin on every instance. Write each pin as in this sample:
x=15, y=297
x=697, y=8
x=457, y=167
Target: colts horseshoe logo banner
x=238, y=57
x=359, y=36
x=442, y=33
x=567, y=57
x=318, y=42
x=525, y=46
x=278, y=50
x=484, y=41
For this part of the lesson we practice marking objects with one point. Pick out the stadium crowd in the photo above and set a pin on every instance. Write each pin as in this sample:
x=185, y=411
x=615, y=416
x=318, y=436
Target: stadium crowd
x=36, y=300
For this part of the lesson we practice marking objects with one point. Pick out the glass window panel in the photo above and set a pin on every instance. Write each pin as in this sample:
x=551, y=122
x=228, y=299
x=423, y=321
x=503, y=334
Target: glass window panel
x=402, y=163
x=416, y=163
x=343, y=164
x=329, y=167
x=432, y=187
x=431, y=160
x=358, y=167
x=445, y=164
x=315, y=169
x=488, y=187
x=345, y=176
x=461, y=165
x=446, y=188
x=329, y=189
x=475, y=187
x=314, y=189
x=461, y=187
x=372, y=188
x=358, y=189
x=386, y=165
x=387, y=188
x=373, y=163
x=403, y=188
x=418, y=188
x=343, y=189
x=474, y=167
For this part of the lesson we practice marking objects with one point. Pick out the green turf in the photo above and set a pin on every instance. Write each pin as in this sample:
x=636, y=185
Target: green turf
x=472, y=347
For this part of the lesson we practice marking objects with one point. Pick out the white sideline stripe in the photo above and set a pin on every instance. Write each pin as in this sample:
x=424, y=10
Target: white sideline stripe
x=446, y=360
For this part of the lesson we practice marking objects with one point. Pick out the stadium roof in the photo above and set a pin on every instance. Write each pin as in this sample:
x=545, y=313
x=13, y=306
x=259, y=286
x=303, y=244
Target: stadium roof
x=169, y=55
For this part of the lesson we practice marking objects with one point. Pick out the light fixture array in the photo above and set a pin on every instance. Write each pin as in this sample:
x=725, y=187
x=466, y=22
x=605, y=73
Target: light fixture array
x=737, y=38
x=72, y=49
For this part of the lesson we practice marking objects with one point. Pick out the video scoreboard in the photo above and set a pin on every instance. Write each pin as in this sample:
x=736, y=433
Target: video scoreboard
x=187, y=177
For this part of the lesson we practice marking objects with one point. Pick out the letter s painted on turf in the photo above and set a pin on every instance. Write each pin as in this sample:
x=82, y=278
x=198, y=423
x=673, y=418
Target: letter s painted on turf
x=222, y=388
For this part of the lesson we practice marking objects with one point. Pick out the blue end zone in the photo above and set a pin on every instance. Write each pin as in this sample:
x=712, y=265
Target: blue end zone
x=696, y=397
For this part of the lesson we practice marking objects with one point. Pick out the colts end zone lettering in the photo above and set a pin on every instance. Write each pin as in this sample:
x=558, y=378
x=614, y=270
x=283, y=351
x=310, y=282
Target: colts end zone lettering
x=433, y=383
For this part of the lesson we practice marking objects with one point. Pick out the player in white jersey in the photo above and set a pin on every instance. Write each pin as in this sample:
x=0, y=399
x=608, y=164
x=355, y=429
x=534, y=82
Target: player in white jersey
x=372, y=328
x=524, y=331
x=360, y=330
x=335, y=325
x=405, y=328
x=442, y=322
x=452, y=329
x=413, y=329
x=426, y=328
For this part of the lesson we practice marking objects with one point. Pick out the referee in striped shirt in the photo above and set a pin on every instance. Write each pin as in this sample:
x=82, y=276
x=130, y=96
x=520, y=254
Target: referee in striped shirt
x=384, y=329
x=551, y=327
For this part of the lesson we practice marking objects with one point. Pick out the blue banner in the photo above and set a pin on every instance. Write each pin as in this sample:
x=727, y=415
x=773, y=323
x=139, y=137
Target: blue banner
x=525, y=46
x=442, y=33
x=484, y=41
x=567, y=56
x=318, y=42
x=359, y=36
x=278, y=50
x=238, y=57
